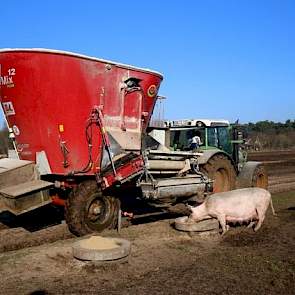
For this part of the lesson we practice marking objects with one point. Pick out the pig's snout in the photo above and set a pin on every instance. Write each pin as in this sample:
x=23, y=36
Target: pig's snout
x=189, y=209
x=191, y=216
x=194, y=216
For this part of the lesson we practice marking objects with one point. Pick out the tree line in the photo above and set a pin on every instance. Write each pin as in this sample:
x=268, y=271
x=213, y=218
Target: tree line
x=269, y=135
x=270, y=126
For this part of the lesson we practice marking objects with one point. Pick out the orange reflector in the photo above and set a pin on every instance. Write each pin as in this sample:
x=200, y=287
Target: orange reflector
x=61, y=128
x=56, y=200
x=152, y=91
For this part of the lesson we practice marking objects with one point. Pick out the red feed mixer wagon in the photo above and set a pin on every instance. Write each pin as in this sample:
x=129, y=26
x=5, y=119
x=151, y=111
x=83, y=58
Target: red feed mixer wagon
x=79, y=127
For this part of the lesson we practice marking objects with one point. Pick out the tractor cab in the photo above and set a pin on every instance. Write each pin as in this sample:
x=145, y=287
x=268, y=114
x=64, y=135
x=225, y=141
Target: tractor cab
x=213, y=134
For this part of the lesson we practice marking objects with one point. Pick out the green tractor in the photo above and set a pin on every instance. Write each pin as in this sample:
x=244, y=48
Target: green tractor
x=223, y=157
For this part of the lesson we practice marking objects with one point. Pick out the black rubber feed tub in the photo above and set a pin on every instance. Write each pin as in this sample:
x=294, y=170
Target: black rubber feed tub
x=182, y=224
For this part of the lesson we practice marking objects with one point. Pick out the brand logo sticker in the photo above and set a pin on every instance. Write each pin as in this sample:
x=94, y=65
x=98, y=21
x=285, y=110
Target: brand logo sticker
x=8, y=108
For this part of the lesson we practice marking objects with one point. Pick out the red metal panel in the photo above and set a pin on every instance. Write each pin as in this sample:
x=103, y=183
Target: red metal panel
x=134, y=166
x=48, y=96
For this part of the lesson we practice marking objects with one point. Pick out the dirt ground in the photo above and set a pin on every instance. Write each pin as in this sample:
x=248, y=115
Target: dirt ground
x=165, y=261
x=280, y=166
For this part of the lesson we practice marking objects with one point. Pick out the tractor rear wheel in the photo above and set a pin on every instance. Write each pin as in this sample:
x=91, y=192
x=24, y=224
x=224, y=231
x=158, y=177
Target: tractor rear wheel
x=253, y=174
x=220, y=169
x=87, y=210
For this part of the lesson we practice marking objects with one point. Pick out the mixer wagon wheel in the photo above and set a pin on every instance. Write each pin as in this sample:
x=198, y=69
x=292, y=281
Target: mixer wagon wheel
x=220, y=169
x=87, y=210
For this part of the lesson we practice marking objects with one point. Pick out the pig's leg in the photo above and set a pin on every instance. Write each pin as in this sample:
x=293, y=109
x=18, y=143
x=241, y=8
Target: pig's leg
x=253, y=220
x=258, y=225
x=251, y=224
x=261, y=216
x=222, y=221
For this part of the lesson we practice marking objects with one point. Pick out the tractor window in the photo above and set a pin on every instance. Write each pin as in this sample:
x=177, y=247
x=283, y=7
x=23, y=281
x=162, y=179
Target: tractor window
x=219, y=137
x=179, y=139
x=212, y=137
x=174, y=139
x=223, y=139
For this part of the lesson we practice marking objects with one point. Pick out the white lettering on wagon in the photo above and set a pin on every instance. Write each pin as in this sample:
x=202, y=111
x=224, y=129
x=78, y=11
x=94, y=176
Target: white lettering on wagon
x=5, y=80
x=8, y=79
x=22, y=146
x=16, y=130
x=11, y=72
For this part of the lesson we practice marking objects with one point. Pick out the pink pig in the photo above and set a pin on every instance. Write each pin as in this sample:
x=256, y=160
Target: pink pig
x=241, y=205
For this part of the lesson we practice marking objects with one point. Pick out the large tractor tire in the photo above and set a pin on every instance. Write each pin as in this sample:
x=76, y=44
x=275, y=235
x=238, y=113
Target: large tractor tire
x=220, y=169
x=88, y=211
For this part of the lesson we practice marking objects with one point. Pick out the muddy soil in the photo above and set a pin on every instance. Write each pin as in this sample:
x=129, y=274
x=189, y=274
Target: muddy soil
x=278, y=155
x=280, y=166
x=277, y=163
x=166, y=261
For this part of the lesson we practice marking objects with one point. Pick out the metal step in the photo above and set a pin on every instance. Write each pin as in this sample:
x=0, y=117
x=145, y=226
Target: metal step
x=14, y=171
x=24, y=197
x=15, y=191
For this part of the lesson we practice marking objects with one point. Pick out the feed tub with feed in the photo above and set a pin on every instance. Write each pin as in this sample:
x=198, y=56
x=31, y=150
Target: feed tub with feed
x=98, y=248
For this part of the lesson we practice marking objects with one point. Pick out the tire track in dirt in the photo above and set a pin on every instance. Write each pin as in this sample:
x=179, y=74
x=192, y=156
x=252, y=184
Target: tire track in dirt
x=280, y=166
x=18, y=238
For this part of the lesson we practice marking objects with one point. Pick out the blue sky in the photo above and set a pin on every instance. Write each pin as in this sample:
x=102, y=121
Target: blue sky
x=220, y=59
